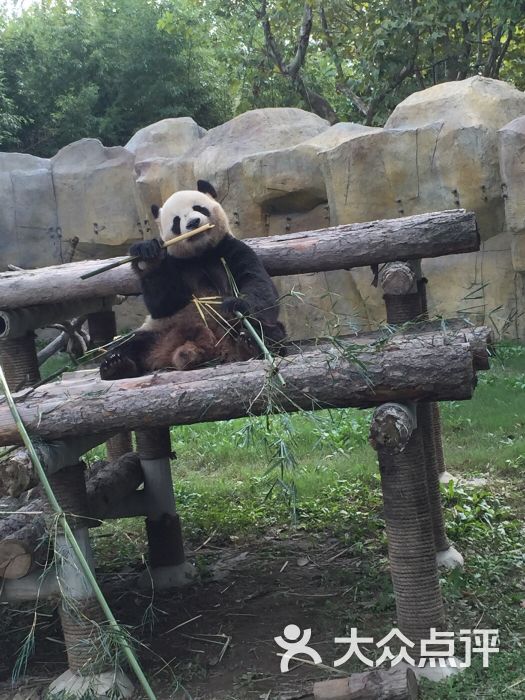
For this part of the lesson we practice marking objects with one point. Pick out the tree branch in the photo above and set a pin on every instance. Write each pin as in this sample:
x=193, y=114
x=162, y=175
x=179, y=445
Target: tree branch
x=495, y=47
x=271, y=45
x=342, y=83
x=297, y=62
x=505, y=48
x=317, y=103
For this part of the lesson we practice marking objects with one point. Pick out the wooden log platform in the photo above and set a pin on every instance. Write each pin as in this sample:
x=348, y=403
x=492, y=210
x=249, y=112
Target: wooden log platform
x=339, y=247
x=334, y=377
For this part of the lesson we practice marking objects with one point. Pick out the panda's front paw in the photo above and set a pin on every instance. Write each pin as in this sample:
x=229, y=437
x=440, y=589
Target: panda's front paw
x=231, y=305
x=117, y=366
x=147, y=250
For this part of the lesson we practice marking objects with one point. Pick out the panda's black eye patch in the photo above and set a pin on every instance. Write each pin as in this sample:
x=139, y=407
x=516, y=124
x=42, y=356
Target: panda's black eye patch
x=201, y=210
x=175, y=227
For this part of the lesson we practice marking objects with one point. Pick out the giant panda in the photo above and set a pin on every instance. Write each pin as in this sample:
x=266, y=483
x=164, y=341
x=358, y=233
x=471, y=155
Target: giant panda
x=175, y=335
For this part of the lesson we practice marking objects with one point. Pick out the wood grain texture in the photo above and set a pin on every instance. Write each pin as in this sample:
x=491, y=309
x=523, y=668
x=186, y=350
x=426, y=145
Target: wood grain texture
x=339, y=247
x=315, y=379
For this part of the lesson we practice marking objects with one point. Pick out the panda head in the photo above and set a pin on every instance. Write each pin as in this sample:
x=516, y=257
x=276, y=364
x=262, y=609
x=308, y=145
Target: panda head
x=187, y=210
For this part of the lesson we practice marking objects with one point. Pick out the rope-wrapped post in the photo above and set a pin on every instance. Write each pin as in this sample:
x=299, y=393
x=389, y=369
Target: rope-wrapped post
x=435, y=418
x=167, y=561
x=405, y=300
x=399, y=281
x=444, y=476
x=119, y=445
x=80, y=614
x=102, y=327
x=397, y=439
x=19, y=359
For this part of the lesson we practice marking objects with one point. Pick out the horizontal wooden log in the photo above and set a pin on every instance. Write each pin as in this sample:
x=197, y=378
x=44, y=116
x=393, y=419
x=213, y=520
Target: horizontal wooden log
x=32, y=587
x=392, y=426
x=398, y=683
x=430, y=333
x=339, y=247
x=315, y=379
x=112, y=484
x=21, y=551
x=17, y=322
x=17, y=472
x=23, y=534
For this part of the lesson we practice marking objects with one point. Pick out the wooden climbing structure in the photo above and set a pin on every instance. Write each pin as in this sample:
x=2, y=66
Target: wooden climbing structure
x=405, y=377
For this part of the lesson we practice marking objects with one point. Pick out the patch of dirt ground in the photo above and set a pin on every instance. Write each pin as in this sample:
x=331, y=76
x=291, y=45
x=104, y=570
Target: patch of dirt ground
x=216, y=637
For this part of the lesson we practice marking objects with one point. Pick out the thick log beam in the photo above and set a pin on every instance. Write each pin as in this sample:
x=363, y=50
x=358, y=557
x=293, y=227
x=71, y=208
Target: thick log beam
x=314, y=380
x=17, y=322
x=339, y=247
x=428, y=333
x=17, y=472
x=23, y=534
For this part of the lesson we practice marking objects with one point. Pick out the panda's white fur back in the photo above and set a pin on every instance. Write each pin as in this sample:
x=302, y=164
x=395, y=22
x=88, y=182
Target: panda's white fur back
x=194, y=208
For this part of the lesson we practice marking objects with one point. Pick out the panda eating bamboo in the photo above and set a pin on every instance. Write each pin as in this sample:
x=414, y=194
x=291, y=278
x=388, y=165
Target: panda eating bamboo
x=193, y=289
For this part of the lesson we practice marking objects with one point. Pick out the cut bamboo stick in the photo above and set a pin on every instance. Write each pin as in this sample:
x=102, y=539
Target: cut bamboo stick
x=131, y=258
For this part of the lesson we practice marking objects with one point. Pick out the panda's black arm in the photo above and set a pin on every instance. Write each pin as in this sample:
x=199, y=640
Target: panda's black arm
x=163, y=289
x=254, y=283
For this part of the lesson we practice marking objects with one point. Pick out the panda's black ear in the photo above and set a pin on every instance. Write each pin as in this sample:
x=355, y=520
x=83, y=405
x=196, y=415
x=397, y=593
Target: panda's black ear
x=205, y=187
x=155, y=211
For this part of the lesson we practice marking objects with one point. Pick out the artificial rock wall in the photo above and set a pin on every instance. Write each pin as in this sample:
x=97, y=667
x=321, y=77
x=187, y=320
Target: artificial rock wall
x=459, y=144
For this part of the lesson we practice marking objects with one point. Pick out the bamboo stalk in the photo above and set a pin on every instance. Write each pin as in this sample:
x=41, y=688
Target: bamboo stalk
x=68, y=532
x=267, y=354
x=131, y=258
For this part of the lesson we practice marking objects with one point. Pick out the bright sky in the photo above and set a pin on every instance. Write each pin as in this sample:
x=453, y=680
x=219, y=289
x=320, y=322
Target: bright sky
x=17, y=6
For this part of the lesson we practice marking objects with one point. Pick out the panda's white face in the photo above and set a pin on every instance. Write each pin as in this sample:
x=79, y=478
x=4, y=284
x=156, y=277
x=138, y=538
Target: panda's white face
x=185, y=211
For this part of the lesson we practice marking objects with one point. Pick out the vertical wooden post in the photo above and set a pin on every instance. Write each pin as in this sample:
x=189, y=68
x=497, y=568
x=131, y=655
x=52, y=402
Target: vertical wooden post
x=405, y=301
x=19, y=360
x=119, y=445
x=434, y=418
x=102, y=326
x=80, y=614
x=399, y=445
x=168, y=566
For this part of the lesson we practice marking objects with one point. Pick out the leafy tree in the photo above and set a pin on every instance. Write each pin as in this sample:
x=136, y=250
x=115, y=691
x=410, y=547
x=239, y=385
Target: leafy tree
x=10, y=121
x=106, y=68
x=357, y=60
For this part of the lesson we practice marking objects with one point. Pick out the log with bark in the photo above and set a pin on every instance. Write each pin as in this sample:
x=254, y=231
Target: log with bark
x=434, y=333
x=22, y=540
x=17, y=322
x=23, y=534
x=17, y=472
x=332, y=378
x=397, y=683
x=339, y=247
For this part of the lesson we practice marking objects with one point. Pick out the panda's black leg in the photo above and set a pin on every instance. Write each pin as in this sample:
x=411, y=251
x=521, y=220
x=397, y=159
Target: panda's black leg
x=128, y=360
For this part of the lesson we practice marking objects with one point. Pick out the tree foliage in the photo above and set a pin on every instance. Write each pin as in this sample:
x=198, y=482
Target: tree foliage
x=105, y=68
x=362, y=58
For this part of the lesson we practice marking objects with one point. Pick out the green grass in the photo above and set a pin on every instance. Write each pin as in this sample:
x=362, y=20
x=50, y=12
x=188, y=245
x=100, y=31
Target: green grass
x=234, y=479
